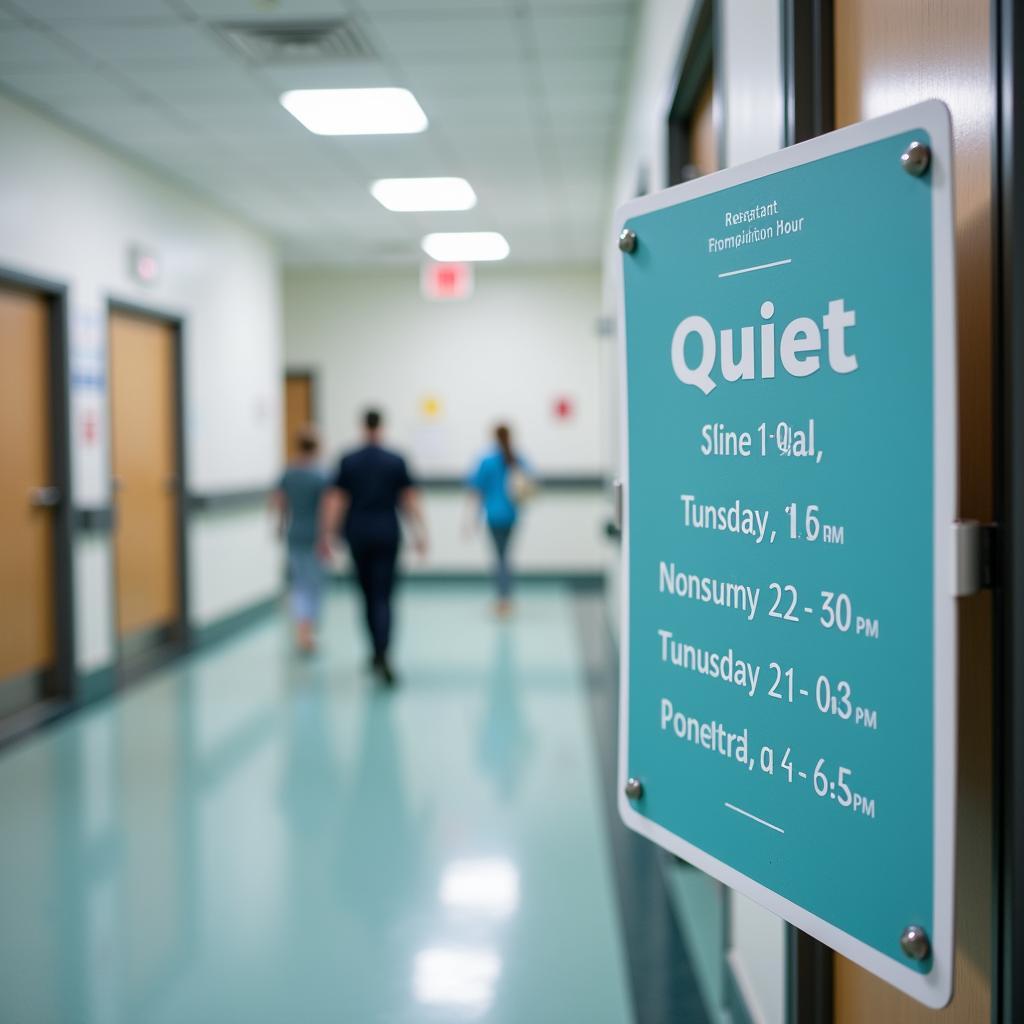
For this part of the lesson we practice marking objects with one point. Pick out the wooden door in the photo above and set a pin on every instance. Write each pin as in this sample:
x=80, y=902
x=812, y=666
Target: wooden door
x=27, y=605
x=298, y=409
x=891, y=53
x=703, y=149
x=145, y=459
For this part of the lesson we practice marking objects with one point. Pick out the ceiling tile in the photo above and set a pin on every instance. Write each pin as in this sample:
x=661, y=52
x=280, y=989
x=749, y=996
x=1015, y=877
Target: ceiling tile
x=523, y=96
x=125, y=120
x=71, y=88
x=414, y=8
x=475, y=119
x=587, y=74
x=259, y=116
x=578, y=7
x=349, y=74
x=470, y=75
x=217, y=84
x=575, y=157
x=484, y=34
x=27, y=49
x=566, y=34
x=91, y=10
x=597, y=107
x=260, y=10
x=160, y=44
x=310, y=169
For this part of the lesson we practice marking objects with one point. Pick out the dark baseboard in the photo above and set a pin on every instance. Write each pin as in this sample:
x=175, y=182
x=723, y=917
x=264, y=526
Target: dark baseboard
x=95, y=685
x=578, y=581
x=102, y=683
x=215, y=501
x=213, y=632
x=555, y=482
x=23, y=723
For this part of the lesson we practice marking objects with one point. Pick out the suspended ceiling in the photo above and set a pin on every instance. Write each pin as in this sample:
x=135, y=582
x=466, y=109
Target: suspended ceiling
x=524, y=99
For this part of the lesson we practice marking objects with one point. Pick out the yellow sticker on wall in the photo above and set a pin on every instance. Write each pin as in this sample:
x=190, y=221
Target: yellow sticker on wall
x=431, y=407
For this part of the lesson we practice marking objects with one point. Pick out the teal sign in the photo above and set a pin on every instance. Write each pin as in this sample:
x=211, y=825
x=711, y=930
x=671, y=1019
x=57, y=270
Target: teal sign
x=788, y=709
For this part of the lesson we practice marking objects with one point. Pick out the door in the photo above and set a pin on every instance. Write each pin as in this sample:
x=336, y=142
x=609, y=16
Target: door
x=298, y=409
x=143, y=397
x=28, y=499
x=703, y=146
x=888, y=54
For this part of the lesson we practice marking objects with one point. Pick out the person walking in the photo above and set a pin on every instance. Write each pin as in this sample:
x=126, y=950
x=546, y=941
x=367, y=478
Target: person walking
x=372, y=486
x=297, y=501
x=499, y=485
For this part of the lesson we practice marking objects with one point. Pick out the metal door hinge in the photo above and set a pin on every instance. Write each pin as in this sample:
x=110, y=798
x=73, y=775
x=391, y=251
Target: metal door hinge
x=974, y=560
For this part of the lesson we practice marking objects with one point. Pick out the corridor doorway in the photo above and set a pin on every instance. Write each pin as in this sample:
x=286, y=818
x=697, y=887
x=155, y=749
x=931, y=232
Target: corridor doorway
x=35, y=591
x=299, y=408
x=146, y=457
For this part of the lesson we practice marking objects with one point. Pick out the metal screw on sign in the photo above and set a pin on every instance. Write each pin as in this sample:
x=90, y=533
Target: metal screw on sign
x=915, y=943
x=634, y=789
x=916, y=158
x=627, y=240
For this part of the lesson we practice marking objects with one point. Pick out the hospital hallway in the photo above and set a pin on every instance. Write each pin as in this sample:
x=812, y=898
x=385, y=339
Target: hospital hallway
x=511, y=512
x=248, y=836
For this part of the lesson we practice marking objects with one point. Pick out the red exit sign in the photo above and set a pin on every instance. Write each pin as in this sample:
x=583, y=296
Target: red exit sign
x=444, y=282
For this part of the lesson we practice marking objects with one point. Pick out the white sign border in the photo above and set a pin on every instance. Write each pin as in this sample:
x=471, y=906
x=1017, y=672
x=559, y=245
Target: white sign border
x=935, y=988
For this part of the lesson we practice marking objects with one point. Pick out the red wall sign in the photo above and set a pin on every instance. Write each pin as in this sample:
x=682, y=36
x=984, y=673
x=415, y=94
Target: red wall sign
x=443, y=282
x=564, y=408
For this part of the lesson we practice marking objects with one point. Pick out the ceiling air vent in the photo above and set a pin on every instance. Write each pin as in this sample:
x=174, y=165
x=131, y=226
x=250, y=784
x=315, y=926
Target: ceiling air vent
x=297, y=42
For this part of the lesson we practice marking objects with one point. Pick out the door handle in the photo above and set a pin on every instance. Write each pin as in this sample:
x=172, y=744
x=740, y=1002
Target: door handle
x=44, y=497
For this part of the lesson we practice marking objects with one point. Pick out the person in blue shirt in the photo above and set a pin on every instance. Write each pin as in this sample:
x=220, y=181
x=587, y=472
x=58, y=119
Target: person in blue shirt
x=297, y=500
x=369, y=490
x=500, y=483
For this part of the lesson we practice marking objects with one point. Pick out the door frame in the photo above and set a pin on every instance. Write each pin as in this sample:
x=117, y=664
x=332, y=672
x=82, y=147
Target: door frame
x=60, y=692
x=181, y=640
x=808, y=60
x=695, y=65
x=809, y=110
x=1008, y=567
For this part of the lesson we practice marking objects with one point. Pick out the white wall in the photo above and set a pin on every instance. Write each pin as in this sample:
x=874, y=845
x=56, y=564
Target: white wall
x=757, y=957
x=70, y=211
x=643, y=151
x=524, y=339
x=749, y=75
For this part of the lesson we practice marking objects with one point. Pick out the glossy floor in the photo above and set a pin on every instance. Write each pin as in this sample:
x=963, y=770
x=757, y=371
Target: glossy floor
x=249, y=837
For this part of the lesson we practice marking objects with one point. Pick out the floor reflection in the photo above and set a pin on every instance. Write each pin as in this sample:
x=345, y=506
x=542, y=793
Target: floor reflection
x=504, y=742
x=249, y=837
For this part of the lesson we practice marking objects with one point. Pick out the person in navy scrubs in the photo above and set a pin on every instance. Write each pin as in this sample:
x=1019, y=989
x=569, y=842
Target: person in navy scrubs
x=370, y=489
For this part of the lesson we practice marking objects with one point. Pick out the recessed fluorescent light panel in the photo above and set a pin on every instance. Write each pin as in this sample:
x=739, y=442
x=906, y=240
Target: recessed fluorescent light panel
x=465, y=246
x=356, y=111
x=407, y=195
